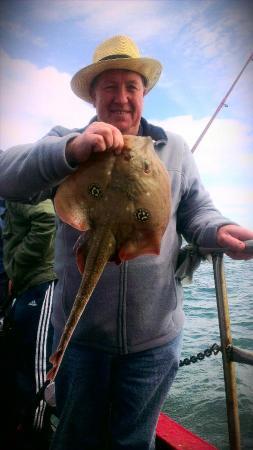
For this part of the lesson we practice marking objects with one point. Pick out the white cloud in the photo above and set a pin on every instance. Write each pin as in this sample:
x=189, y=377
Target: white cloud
x=225, y=160
x=235, y=202
x=103, y=16
x=226, y=143
x=139, y=18
x=33, y=100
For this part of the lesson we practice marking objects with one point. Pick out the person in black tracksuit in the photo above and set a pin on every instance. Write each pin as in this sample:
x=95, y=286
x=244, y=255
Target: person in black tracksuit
x=28, y=255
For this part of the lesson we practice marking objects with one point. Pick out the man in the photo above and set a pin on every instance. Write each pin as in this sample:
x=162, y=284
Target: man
x=125, y=352
x=28, y=256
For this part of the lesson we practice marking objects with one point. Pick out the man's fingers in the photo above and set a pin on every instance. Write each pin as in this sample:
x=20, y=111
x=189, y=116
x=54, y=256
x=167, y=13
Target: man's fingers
x=239, y=255
x=112, y=138
x=233, y=243
x=118, y=141
x=99, y=144
x=233, y=237
x=98, y=137
x=105, y=138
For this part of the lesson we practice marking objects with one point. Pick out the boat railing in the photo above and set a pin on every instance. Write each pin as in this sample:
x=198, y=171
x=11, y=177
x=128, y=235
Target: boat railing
x=230, y=353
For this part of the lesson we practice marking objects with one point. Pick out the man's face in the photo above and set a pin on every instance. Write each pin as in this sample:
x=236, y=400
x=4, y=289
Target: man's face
x=118, y=99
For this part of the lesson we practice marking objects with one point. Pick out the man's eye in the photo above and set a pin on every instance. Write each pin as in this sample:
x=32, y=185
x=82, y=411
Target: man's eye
x=132, y=87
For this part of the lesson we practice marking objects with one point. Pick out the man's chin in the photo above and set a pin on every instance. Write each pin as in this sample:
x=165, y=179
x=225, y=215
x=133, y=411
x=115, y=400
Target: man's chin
x=121, y=124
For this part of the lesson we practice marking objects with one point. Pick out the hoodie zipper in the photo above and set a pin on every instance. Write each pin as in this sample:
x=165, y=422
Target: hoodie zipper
x=122, y=335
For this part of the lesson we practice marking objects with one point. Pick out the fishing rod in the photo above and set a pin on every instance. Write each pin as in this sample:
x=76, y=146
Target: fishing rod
x=222, y=103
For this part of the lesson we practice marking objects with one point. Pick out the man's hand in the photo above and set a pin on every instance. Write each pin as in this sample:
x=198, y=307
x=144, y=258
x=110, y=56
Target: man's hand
x=98, y=137
x=233, y=237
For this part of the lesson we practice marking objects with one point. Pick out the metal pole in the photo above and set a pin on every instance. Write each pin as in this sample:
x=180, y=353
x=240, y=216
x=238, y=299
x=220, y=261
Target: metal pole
x=226, y=340
x=222, y=103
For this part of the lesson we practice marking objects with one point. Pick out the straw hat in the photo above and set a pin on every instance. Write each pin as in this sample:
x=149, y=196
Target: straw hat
x=118, y=52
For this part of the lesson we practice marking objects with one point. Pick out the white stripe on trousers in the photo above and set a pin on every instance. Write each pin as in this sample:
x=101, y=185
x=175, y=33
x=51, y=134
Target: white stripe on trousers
x=41, y=353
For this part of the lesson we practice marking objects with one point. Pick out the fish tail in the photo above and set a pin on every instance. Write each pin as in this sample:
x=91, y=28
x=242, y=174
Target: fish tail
x=101, y=248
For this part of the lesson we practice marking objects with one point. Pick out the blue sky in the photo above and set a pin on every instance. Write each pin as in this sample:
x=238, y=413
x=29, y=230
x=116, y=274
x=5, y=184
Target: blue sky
x=202, y=45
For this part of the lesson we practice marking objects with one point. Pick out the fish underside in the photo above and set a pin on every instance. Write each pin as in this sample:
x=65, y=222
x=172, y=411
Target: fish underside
x=122, y=204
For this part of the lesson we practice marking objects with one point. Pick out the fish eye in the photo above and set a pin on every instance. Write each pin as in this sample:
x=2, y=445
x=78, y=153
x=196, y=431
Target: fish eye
x=142, y=215
x=95, y=191
x=146, y=166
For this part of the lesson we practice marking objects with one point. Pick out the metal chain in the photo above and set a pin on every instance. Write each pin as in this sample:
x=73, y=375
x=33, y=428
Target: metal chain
x=214, y=349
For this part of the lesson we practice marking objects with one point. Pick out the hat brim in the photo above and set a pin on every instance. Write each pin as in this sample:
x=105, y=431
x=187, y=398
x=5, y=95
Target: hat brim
x=149, y=68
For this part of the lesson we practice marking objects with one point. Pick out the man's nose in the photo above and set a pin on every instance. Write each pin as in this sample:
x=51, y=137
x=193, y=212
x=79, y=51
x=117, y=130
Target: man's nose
x=122, y=95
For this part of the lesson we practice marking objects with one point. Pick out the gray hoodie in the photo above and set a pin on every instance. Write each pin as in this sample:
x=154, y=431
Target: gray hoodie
x=139, y=304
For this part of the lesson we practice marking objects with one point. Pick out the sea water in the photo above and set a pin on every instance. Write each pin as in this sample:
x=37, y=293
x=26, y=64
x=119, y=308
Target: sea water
x=197, y=398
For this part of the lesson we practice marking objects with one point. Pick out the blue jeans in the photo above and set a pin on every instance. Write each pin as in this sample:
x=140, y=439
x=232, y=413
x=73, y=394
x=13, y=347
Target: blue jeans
x=107, y=401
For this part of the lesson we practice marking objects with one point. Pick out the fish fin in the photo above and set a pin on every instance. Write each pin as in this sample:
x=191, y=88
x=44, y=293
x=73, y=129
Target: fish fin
x=149, y=244
x=66, y=208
